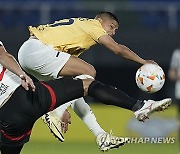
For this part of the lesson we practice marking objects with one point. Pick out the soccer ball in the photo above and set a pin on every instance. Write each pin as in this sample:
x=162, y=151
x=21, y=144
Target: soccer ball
x=150, y=78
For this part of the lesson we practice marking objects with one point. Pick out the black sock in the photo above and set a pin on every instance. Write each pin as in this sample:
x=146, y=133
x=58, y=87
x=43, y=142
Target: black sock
x=138, y=105
x=112, y=96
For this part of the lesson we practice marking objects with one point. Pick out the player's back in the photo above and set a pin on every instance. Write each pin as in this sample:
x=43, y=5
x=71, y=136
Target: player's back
x=72, y=35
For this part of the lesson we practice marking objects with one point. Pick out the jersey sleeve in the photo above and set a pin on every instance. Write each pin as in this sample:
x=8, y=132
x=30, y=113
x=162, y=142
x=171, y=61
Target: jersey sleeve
x=96, y=32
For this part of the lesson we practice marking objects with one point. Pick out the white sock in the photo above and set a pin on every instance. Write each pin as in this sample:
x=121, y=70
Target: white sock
x=60, y=110
x=83, y=110
x=92, y=124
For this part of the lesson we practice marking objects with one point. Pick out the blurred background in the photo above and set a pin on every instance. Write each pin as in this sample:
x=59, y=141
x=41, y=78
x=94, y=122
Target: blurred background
x=151, y=28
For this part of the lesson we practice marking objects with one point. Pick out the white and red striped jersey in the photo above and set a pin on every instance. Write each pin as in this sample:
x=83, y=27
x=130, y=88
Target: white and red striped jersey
x=8, y=82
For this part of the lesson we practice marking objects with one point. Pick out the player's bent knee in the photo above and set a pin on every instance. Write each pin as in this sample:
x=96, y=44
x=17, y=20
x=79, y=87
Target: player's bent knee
x=86, y=83
x=92, y=71
x=87, y=79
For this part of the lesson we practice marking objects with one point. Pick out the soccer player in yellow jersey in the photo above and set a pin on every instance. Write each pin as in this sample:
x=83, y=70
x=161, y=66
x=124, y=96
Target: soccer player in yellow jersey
x=52, y=51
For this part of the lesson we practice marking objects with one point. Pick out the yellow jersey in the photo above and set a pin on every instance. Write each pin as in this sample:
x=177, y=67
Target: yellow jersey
x=73, y=36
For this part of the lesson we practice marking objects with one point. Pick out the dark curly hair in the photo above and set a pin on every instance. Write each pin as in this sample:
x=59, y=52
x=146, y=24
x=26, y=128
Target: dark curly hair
x=107, y=14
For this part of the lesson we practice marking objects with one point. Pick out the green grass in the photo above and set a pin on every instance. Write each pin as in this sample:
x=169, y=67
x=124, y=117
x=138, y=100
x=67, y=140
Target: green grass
x=79, y=140
x=91, y=148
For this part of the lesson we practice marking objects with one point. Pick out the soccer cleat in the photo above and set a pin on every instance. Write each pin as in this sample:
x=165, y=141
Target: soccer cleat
x=54, y=124
x=151, y=106
x=107, y=141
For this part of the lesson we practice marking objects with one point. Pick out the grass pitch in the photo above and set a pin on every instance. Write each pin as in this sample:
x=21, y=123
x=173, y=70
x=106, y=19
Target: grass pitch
x=79, y=140
x=91, y=148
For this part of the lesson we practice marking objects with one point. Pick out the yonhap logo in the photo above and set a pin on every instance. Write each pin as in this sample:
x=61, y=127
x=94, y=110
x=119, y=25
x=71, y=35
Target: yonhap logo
x=153, y=140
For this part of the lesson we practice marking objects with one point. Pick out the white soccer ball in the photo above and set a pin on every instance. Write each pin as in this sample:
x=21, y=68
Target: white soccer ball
x=150, y=78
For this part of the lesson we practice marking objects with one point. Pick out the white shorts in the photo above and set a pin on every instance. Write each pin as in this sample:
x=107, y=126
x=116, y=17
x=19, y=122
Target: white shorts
x=40, y=60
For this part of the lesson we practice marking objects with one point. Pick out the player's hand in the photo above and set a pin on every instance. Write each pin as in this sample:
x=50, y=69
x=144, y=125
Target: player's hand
x=27, y=82
x=65, y=121
x=150, y=61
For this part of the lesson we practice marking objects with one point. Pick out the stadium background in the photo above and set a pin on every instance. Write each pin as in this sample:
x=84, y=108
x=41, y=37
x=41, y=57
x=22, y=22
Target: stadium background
x=150, y=28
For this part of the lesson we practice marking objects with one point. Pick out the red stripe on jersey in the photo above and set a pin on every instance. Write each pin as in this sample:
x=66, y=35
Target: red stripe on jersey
x=2, y=73
x=13, y=138
x=53, y=96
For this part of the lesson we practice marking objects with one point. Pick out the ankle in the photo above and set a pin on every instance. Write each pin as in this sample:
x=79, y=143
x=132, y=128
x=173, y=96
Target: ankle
x=139, y=104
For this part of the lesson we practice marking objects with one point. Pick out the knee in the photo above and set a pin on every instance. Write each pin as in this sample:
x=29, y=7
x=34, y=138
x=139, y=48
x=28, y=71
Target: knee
x=86, y=84
x=91, y=71
x=87, y=80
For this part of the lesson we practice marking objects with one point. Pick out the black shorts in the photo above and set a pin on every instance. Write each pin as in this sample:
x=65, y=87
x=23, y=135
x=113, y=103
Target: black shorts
x=18, y=115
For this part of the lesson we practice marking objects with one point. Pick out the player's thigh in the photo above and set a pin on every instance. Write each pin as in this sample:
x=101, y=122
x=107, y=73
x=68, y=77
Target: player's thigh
x=62, y=90
x=45, y=63
x=76, y=66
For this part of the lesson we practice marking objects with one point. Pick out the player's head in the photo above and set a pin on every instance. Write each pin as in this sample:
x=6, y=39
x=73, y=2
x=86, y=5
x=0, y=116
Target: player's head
x=108, y=21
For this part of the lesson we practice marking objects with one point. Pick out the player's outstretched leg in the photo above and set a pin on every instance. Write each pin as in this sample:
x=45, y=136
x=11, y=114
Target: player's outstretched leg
x=112, y=96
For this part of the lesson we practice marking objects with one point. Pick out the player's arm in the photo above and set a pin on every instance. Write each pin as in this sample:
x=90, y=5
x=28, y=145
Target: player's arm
x=9, y=62
x=121, y=50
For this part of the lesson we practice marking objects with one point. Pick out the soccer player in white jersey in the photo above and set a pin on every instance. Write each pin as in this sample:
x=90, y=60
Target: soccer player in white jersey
x=9, y=62
x=21, y=107
x=52, y=51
